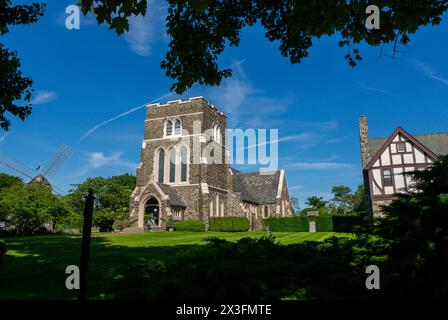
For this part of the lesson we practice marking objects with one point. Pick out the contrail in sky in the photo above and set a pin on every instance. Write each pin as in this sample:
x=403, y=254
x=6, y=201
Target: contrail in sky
x=92, y=130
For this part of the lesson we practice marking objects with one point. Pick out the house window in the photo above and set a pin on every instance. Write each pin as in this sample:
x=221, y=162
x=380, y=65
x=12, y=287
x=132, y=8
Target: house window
x=183, y=168
x=401, y=147
x=387, y=177
x=177, y=127
x=161, y=165
x=173, y=165
x=265, y=212
x=168, y=128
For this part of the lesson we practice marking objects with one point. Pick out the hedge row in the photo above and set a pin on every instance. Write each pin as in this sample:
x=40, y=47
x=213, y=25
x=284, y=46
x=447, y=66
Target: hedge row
x=190, y=225
x=229, y=224
x=346, y=223
x=337, y=223
x=324, y=223
x=3, y=248
x=287, y=224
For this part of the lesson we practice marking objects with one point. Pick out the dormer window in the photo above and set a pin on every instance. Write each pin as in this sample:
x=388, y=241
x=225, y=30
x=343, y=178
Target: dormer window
x=401, y=147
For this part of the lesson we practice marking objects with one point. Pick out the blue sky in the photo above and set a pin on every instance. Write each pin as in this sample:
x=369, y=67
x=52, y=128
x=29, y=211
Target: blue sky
x=85, y=77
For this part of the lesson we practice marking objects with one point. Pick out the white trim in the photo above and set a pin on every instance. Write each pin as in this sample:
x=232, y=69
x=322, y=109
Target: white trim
x=164, y=196
x=204, y=188
x=216, y=188
x=280, y=183
x=176, y=115
x=175, y=137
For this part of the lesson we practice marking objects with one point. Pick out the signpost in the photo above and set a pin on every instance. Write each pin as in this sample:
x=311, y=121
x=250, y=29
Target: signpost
x=85, y=247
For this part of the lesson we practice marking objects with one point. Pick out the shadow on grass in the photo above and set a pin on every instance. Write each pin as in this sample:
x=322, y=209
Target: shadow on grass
x=34, y=267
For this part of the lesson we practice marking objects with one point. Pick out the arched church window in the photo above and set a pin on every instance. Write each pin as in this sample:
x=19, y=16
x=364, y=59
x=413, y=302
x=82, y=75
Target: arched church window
x=177, y=127
x=173, y=165
x=184, y=162
x=168, y=128
x=161, y=165
x=266, y=212
x=217, y=134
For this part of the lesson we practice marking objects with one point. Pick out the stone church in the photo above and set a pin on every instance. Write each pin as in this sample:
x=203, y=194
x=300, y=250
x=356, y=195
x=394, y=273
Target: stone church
x=385, y=161
x=177, y=178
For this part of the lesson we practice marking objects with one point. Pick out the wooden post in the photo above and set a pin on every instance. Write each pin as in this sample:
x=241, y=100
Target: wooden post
x=85, y=247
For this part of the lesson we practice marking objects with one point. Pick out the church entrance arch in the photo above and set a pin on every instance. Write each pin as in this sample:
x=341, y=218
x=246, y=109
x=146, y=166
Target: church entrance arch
x=152, y=213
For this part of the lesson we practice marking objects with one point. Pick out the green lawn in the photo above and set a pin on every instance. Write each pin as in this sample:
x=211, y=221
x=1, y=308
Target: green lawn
x=34, y=267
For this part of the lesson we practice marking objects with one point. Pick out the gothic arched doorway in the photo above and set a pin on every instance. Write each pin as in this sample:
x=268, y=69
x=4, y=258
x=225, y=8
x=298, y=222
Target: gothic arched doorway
x=152, y=213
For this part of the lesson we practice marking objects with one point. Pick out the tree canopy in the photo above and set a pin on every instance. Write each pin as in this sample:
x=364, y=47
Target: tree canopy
x=200, y=30
x=15, y=88
x=27, y=207
x=112, y=197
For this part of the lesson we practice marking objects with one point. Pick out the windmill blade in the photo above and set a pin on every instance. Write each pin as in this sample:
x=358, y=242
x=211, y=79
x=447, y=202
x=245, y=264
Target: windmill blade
x=16, y=166
x=58, y=159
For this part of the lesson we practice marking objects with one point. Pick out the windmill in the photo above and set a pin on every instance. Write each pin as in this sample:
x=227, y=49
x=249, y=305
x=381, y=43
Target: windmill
x=44, y=172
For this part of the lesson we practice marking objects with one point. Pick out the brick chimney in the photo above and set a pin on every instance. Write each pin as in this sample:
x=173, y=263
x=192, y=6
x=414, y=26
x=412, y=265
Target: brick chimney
x=364, y=139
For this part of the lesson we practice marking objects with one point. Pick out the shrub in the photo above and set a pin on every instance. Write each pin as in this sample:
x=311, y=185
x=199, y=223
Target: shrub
x=287, y=224
x=324, y=223
x=346, y=223
x=3, y=248
x=170, y=223
x=229, y=224
x=254, y=269
x=104, y=221
x=190, y=225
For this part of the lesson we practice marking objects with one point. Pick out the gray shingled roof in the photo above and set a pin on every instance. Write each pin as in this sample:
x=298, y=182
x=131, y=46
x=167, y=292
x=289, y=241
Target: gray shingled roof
x=436, y=142
x=256, y=188
x=176, y=199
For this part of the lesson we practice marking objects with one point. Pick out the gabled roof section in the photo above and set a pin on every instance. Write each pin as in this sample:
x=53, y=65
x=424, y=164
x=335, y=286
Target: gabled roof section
x=255, y=187
x=378, y=145
x=175, y=198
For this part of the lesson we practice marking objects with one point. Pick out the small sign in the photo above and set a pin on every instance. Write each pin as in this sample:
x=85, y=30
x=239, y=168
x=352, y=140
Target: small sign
x=312, y=213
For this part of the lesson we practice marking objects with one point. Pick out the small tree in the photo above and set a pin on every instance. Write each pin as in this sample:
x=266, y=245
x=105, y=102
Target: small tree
x=416, y=229
x=342, y=199
x=28, y=207
x=295, y=204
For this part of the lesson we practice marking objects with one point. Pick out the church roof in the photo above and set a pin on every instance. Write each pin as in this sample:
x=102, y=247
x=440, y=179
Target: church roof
x=255, y=187
x=176, y=199
x=436, y=142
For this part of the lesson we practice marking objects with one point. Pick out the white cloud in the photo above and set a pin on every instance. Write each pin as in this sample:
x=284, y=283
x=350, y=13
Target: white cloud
x=241, y=100
x=298, y=137
x=145, y=30
x=319, y=165
x=3, y=137
x=42, y=97
x=369, y=88
x=429, y=71
x=121, y=115
x=97, y=160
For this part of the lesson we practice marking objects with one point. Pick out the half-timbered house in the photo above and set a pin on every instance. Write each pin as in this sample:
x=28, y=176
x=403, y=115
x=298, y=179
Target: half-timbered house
x=386, y=160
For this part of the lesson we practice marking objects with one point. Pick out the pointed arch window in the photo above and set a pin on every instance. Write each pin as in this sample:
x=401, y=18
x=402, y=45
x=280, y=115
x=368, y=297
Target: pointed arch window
x=266, y=212
x=172, y=165
x=177, y=127
x=217, y=134
x=161, y=165
x=184, y=163
x=168, y=128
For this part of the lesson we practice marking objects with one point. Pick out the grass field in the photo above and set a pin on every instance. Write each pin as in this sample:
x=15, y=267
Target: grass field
x=34, y=267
